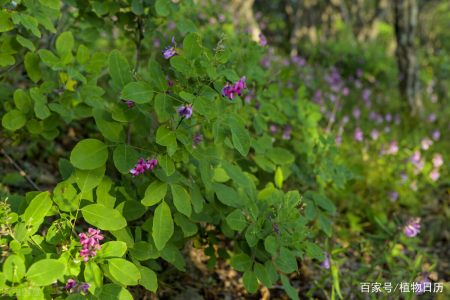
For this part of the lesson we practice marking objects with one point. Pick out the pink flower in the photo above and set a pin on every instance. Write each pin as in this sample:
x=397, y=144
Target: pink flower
x=374, y=134
x=436, y=135
x=230, y=91
x=358, y=135
x=70, y=284
x=90, y=243
x=434, y=175
x=438, y=161
x=412, y=227
x=426, y=143
x=143, y=165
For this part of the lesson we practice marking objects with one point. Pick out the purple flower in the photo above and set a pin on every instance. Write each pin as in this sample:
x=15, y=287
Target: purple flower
x=196, y=140
x=170, y=51
x=415, y=158
x=359, y=73
x=345, y=91
x=84, y=287
x=70, y=284
x=273, y=129
x=358, y=135
x=142, y=166
x=426, y=143
x=393, y=195
x=356, y=112
x=432, y=117
x=374, y=134
x=393, y=148
x=412, y=227
x=338, y=140
x=436, y=135
x=156, y=43
x=90, y=243
x=262, y=39
x=388, y=117
x=287, y=133
x=230, y=91
x=185, y=111
x=438, y=161
x=421, y=286
x=326, y=262
x=129, y=103
x=434, y=175
x=366, y=95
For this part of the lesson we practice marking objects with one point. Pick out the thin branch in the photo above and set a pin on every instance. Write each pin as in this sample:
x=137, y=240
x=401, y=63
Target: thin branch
x=21, y=171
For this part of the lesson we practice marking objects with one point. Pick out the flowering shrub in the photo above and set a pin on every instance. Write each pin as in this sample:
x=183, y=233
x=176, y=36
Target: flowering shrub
x=166, y=148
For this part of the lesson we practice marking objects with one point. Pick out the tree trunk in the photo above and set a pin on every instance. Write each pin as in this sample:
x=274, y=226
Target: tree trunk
x=405, y=31
x=242, y=11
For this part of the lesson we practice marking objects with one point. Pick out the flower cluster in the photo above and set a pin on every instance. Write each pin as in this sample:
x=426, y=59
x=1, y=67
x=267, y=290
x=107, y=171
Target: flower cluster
x=230, y=91
x=73, y=287
x=90, y=243
x=143, y=165
x=170, y=51
x=129, y=103
x=412, y=228
x=185, y=111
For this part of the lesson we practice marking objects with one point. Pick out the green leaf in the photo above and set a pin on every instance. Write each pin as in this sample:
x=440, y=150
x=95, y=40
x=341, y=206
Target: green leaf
x=87, y=180
x=144, y=251
x=103, y=217
x=6, y=59
x=154, y=193
x=180, y=64
x=53, y=4
x=114, y=292
x=148, y=279
x=280, y=156
x=89, y=154
x=14, y=268
x=40, y=104
x=31, y=63
x=286, y=261
x=140, y=92
x=157, y=77
x=162, y=8
x=65, y=43
x=166, y=164
x=187, y=226
x=241, y=262
x=314, y=251
x=110, y=129
x=119, y=69
x=82, y=54
x=181, y=199
x=239, y=136
x=49, y=59
x=5, y=21
x=262, y=274
x=191, y=46
x=112, y=249
x=163, y=107
x=323, y=201
x=165, y=137
x=45, y=272
x=37, y=209
x=25, y=42
x=236, y=220
x=171, y=254
x=125, y=158
x=22, y=100
x=292, y=292
x=131, y=209
x=250, y=281
x=14, y=120
x=64, y=195
x=227, y=195
x=279, y=177
x=271, y=244
x=162, y=225
x=93, y=274
x=124, y=271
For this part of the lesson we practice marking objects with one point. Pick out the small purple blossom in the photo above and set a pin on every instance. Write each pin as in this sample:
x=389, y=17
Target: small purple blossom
x=170, y=51
x=421, y=286
x=287, y=133
x=426, y=143
x=70, y=284
x=412, y=227
x=338, y=140
x=230, y=91
x=374, y=134
x=142, y=166
x=393, y=148
x=432, y=117
x=358, y=135
x=393, y=196
x=196, y=140
x=438, y=161
x=185, y=111
x=326, y=262
x=434, y=175
x=262, y=39
x=90, y=243
x=356, y=113
x=129, y=103
x=436, y=135
x=273, y=129
x=345, y=91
